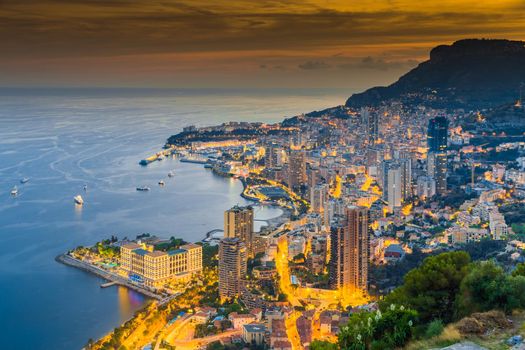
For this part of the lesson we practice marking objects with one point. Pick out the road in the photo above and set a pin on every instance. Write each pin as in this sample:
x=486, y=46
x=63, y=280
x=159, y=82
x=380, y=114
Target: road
x=200, y=342
x=320, y=299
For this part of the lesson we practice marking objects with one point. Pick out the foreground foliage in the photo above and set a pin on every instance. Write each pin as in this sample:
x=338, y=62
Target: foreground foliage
x=378, y=330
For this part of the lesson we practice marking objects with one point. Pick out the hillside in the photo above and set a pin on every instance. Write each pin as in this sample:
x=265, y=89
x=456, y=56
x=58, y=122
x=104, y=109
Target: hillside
x=471, y=73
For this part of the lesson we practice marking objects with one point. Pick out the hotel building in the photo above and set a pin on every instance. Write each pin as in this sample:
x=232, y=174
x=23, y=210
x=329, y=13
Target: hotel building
x=154, y=268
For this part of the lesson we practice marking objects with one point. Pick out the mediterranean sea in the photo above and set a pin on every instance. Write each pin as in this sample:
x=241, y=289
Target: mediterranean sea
x=64, y=139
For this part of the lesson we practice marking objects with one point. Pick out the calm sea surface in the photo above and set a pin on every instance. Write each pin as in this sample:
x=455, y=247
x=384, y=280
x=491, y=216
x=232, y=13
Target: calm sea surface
x=62, y=140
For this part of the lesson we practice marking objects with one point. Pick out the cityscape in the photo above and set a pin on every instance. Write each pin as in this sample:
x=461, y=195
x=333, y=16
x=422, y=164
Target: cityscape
x=361, y=191
x=393, y=220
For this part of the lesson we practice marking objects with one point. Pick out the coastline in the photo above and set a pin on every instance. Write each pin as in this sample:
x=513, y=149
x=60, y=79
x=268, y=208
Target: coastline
x=70, y=261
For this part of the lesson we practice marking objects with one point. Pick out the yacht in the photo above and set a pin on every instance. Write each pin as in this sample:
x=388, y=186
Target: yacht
x=24, y=180
x=85, y=187
x=171, y=174
x=143, y=188
x=14, y=191
x=79, y=200
x=161, y=183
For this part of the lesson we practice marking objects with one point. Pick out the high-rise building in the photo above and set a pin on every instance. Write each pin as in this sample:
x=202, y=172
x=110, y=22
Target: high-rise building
x=396, y=181
x=349, y=253
x=393, y=188
x=437, y=169
x=296, y=168
x=437, y=134
x=437, y=156
x=372, y=125
x=271, y=155
x=318, y=198
x=238, y=222
x=232, y=268
x=426, y=187
x=374, y=157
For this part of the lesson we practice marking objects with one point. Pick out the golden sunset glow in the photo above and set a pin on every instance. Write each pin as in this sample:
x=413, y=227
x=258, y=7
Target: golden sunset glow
x=351, y=44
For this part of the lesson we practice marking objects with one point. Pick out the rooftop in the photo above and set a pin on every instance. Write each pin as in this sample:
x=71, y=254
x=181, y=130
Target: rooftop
x=190, y=246
x=131, y=245
x=176, y=251
x=255, y=328
x=140, y=251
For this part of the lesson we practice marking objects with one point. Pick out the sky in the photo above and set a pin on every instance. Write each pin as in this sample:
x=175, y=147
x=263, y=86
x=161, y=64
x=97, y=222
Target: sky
x=236, y=43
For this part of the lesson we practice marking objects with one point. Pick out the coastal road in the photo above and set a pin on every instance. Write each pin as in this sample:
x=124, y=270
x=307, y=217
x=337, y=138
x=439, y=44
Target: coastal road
x=202, y=342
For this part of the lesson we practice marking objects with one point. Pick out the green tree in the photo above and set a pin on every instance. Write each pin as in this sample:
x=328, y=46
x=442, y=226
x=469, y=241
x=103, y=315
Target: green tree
x=487, y=287
x=519, y=270
x=323, y=345
x=431, y=288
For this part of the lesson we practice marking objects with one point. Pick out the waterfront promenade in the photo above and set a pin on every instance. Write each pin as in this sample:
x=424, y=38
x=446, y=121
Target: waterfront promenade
x=112, y=277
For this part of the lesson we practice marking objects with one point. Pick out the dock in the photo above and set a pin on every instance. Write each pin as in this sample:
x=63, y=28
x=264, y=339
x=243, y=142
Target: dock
x=194, y=160
x=108, y=284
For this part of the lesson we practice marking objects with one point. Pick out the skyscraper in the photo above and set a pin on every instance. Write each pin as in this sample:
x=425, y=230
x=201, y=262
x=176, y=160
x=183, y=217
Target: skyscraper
x=350, y=251
x=372, y=125
x=318, y=198
x=437, y=156
x=437, y=134
x=396, y=181
x=437, y=170
x=394, y=188
x=232, y=268
x=238, y=222
x=296, y=169
x=271, y=158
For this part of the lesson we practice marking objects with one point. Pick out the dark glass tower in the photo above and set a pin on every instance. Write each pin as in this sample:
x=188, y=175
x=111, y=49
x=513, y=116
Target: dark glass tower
x=437, y=134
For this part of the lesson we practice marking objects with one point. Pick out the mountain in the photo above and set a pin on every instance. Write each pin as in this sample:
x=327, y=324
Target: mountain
x=471, y=73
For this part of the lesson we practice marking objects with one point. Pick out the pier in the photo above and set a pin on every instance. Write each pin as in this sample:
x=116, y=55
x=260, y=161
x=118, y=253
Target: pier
x=193, y=160
x=157, y=156
x=108, y=284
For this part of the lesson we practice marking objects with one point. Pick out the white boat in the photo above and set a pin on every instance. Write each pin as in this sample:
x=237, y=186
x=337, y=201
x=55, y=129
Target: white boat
x=143, y=188
x=78, y=199
x=24, y=180
x=161, y=183
x=171, y=174
x=14, y=191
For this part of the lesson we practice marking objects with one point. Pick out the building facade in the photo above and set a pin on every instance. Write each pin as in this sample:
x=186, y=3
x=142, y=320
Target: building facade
x=296, y=168
x=238, y=222
x=154, y=268
x=350, y=251
x=232, y=267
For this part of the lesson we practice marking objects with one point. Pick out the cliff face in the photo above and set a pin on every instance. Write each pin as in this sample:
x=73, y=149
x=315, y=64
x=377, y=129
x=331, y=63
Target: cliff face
x=469, y=73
